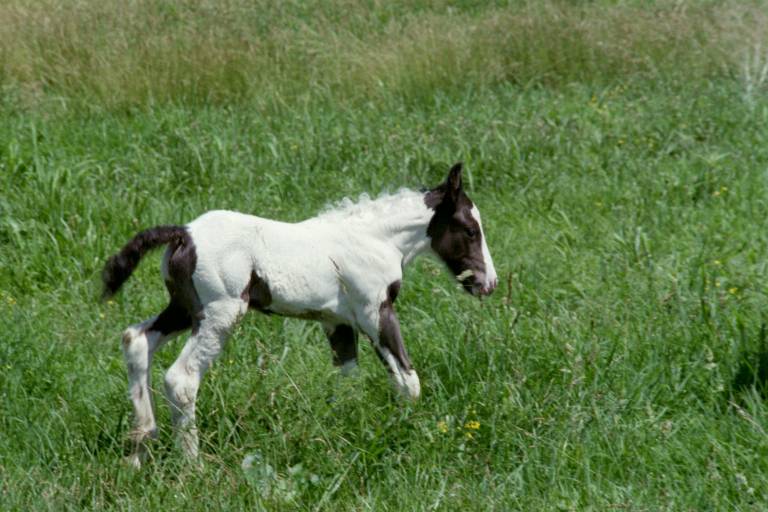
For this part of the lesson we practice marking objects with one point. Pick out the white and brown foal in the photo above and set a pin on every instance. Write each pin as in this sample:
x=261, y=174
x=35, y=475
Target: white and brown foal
x=342, y=268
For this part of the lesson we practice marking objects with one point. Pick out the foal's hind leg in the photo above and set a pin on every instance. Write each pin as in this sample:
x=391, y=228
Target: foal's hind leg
x=343, y=340
x=182, y=380
x=139, y=344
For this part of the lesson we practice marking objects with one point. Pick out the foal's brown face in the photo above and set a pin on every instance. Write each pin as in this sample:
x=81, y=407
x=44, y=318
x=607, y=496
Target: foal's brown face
x=457, y=236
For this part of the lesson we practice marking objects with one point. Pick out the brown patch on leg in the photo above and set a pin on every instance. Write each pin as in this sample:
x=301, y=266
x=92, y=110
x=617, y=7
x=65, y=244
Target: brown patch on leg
x=389, y=328
x=174, y=318
x=390, y=337
x=343, y=341
x=383, y=360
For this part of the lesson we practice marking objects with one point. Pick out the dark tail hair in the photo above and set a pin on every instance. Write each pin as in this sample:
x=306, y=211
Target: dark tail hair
x=120, y=266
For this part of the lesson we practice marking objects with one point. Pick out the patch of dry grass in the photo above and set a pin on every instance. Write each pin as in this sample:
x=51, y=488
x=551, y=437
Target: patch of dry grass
x=142, y=52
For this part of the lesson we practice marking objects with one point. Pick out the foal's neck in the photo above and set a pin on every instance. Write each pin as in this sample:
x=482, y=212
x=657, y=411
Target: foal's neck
x=406, y=226
x=399, y=220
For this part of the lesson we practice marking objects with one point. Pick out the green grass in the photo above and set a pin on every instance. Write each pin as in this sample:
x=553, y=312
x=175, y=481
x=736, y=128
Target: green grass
x=618, y=365
x=117, y=54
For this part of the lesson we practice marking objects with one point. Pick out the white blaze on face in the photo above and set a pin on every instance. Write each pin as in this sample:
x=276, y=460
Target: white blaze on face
x=490, y=271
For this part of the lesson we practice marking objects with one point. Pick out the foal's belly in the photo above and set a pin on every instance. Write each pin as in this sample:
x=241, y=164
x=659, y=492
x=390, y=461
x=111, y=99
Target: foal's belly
x=320, y=315
x=314, y=296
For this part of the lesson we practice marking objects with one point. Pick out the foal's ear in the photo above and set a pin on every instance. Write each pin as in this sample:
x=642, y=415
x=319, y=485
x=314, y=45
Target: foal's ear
x=446, y=193
x=454, y=181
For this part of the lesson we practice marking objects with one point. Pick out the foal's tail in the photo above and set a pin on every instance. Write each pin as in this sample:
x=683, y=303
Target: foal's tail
x=120, y=266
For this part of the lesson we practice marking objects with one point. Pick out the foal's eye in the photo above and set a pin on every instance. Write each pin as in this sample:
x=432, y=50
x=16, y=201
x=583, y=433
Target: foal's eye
x=471, y=232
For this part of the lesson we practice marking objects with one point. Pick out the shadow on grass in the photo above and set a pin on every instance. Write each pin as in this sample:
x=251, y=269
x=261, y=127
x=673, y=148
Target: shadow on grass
x=752, y=369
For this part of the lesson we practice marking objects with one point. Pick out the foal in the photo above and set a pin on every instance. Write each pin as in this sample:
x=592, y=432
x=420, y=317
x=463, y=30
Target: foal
x=342, y=268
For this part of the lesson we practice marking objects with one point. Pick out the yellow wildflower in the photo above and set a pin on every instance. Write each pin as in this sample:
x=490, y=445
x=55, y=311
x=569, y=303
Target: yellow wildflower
x=732, y=290
x=442, y=426
x=472, y=425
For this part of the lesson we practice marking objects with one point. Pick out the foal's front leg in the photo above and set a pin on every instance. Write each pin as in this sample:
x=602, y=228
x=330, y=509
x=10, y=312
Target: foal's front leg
x=392, y=353
x=388, y=342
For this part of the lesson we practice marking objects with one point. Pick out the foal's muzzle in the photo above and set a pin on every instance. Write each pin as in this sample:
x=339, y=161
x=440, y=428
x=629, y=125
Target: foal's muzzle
x=479, y=286
x=488, y=288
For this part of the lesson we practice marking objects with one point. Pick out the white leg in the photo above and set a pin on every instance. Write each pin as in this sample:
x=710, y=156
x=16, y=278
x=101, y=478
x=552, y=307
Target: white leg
x=183, y=378
x=139, y=344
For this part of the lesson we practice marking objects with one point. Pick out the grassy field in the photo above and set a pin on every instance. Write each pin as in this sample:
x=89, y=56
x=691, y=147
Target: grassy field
x=617, y=150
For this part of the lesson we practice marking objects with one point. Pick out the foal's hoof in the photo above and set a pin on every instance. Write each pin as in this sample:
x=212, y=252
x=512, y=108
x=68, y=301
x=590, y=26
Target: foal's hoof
x=133, y=461
x=411, y=387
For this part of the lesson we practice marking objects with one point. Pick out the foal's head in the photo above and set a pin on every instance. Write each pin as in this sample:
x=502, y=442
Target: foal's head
x=457, y=235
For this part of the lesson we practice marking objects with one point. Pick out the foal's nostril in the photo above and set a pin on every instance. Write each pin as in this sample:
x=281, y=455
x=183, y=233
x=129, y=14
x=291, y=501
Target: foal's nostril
x=487, y=290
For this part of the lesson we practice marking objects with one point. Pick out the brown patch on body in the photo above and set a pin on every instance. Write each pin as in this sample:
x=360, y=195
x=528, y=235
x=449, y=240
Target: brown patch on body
x=393, y=290
x=257, y=294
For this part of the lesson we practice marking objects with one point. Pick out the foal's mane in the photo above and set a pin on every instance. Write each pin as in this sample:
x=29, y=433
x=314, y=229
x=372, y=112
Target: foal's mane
x=365, y=208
